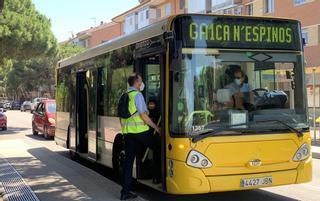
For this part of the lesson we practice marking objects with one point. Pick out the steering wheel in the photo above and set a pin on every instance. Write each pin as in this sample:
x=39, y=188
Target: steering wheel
x=256, y=91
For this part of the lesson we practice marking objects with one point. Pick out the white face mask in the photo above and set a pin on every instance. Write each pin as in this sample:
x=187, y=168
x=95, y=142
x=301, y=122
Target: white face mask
x=237, y=81
x=142, y=86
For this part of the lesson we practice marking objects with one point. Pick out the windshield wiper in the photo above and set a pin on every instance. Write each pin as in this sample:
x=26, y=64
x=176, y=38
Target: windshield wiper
x=299, y=133
x=212, y=132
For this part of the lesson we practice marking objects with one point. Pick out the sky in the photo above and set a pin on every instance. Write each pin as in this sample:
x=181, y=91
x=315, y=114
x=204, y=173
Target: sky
x=73, y=16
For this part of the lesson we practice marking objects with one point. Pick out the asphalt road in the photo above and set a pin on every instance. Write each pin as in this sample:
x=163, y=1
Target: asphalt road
x=19, y=128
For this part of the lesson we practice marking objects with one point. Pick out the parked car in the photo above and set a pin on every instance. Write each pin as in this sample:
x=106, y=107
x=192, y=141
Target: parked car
x=15, y=105
x=26, y=105
x=35, y=103
x=3, y=119
x=7, y=106
x=43, y=120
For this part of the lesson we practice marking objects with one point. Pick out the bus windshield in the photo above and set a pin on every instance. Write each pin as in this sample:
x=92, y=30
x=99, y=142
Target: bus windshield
x=212, y=89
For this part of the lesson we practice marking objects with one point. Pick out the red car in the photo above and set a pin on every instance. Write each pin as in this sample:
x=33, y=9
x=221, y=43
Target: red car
x=43, y=119
x=3, y=120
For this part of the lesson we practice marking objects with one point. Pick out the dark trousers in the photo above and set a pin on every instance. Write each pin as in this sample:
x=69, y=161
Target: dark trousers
x=132, y=143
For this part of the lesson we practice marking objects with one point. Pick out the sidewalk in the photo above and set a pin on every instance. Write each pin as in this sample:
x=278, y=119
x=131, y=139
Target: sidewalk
x=52, y=176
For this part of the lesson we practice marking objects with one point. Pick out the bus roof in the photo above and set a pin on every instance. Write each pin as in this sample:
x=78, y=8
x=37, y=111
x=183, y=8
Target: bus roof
x=153, y=30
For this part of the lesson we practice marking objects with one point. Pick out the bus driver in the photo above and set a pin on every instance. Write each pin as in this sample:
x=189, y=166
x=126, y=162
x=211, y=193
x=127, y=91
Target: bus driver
x=239, y=90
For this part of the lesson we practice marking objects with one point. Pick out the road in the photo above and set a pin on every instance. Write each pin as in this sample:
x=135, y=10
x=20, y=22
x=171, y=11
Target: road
x=18, y=137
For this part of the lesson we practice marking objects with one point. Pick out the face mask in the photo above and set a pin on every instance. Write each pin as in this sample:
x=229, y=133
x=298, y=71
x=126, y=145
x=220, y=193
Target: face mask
x=142, y=86
x=237, y=81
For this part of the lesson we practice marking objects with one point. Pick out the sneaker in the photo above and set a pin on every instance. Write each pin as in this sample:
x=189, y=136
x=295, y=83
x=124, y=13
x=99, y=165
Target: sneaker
x=128, y=196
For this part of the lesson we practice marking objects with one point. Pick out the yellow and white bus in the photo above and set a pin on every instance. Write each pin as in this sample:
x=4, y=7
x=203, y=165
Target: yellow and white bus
x=188, y=62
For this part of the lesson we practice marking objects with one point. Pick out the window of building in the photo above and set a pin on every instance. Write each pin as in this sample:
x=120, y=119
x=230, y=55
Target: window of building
x=147, y=14
x=268, y=6
x=299, y=2
x=197, y=6
x=237, y=11
x=168, y=9
x=305, y=36
x=158, y=13
x=249, y=9
x=182, y=4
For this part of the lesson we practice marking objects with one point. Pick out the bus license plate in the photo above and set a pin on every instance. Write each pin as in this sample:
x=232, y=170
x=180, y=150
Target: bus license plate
x=263, y=181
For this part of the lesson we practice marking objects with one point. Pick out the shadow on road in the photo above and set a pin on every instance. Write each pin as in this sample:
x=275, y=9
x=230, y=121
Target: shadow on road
x=248, y=195
x=85, y=180
x=13, y=130
x=39, y=137
x=44, y=181
x=49, y=164
x=154, y=195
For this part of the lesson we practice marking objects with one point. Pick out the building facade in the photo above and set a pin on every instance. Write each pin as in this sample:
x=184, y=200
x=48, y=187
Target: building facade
x=96, y=35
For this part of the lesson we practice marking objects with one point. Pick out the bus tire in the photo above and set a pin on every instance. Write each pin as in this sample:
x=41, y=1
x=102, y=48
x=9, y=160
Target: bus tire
x=118, y=155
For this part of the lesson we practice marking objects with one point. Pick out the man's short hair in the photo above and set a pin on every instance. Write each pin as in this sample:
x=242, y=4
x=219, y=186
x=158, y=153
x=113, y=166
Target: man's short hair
x=133, y=78
x=238, y=71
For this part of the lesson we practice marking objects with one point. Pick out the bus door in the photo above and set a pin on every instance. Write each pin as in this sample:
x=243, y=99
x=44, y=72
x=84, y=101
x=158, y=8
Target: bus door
x=150, y=69
x=82, y=113
x=87, y=114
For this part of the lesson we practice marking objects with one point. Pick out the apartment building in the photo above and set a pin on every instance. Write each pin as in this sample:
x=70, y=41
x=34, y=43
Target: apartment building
x=96, y=35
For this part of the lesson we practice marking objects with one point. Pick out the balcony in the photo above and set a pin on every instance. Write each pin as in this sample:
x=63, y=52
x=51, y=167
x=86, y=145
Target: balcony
x=225, y=4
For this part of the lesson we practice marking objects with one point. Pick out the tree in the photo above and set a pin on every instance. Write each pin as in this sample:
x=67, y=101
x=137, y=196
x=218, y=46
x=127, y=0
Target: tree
x=67, y=50
x=24, y=32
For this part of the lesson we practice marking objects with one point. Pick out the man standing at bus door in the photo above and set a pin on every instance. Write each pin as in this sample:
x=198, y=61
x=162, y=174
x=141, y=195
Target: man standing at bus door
x=135, y=130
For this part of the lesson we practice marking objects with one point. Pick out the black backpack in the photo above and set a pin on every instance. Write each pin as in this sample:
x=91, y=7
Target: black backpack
x=123, y=106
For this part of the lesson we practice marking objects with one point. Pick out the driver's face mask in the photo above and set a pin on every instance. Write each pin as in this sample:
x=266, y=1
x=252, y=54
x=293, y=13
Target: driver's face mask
x=237, y=81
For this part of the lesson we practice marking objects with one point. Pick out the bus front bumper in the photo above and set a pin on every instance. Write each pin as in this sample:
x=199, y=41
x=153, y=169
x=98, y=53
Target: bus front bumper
x=189, y=180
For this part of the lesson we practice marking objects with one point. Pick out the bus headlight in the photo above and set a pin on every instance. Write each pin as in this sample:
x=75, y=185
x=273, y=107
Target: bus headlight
x=302, y=153
x=198, y=160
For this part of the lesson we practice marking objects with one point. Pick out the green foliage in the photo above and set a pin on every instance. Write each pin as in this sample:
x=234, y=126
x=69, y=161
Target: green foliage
x=24, y=32
x=27, y=76
x=67, y=50
x=28, y=49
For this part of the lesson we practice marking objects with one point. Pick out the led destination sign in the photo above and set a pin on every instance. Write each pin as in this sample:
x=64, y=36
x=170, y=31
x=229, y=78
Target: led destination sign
x=236, y=32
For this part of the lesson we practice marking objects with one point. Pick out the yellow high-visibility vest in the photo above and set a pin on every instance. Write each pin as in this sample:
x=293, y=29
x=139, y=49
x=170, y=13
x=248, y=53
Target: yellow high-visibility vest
x=133, y=124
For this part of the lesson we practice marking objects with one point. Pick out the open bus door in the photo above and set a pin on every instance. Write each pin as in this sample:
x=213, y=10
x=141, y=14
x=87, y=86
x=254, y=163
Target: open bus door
x=87, y=114
x=152, y=71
